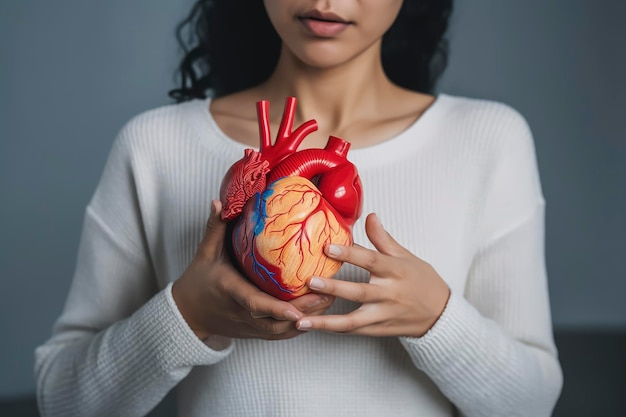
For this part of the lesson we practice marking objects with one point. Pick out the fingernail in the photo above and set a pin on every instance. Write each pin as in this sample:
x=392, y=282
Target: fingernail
x=316, y=284
x=378, y=220
x=334, y=250
x=305, y=325
x=290, y=315
x=213, y=209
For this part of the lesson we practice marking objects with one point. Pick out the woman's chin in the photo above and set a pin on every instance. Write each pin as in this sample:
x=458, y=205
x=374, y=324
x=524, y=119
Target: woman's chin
x=323, y=58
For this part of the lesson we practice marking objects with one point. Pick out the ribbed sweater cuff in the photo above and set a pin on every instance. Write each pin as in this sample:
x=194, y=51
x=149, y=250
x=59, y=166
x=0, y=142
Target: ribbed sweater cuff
x=169, y=336
x=455, y=343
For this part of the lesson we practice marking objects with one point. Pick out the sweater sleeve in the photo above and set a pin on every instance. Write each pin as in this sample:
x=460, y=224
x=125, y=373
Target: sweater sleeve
x=120, y=344
x=492, y=351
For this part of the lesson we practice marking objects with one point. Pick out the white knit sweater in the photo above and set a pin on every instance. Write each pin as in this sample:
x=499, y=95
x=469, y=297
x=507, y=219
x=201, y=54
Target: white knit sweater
x=459, y=188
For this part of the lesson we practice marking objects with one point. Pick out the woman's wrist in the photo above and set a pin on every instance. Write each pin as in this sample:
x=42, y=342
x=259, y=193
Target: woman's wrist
x=440, y=301
x=217, y=342
x=183, y=304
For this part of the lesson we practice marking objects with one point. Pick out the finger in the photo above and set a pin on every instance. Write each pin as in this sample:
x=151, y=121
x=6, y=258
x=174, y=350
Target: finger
x=371, y=260
x=377, y=330
x=260, y=304
x=245, y=330
x=312, y=302
x=381, y=239
x=258, y=315
x=351, y=323
x=267, y=326
x=318, y=311
x=354, y=291
x=212, y=244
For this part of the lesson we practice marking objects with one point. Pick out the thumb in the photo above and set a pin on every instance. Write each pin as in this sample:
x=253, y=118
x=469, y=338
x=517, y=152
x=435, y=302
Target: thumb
x=213, y=242
x=381, y=239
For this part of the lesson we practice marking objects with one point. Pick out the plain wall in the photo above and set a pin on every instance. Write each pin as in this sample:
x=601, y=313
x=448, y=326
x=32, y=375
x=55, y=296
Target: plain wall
x=72, y=72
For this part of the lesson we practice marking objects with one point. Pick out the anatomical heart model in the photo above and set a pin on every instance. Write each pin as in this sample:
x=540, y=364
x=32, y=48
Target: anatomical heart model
x=286, y=205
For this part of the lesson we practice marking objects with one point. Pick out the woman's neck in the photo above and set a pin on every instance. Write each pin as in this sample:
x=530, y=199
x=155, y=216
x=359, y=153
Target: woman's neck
x=335, y=96
x=354, y=100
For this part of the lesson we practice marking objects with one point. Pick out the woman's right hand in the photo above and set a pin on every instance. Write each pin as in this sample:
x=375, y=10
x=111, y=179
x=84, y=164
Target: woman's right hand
x=216, y=300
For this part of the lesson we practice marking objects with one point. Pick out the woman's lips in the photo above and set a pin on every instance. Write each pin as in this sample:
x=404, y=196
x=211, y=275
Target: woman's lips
x=324, y=25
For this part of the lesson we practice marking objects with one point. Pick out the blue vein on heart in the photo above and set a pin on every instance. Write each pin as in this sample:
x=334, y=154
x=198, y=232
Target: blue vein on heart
x=258, y=217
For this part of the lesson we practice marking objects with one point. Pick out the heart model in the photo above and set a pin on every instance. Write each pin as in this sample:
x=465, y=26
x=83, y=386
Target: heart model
x=286, y=205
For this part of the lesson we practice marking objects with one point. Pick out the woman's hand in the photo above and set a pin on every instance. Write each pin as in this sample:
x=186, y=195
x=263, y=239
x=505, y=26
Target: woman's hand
x=216, y=300
x=404, y=296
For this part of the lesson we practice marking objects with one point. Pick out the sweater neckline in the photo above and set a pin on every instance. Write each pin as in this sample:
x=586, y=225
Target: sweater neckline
x=416, y=135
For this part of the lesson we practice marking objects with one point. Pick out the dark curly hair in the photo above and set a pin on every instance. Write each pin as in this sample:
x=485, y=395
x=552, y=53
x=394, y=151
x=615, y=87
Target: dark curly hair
x=226, y=50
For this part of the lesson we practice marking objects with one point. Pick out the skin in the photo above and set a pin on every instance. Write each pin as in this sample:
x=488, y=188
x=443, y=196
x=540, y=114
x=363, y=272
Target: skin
x=404, y=296
x=218, y=303
x=340, y=82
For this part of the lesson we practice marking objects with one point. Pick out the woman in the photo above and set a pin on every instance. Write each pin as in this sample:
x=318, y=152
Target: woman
x=451, y=313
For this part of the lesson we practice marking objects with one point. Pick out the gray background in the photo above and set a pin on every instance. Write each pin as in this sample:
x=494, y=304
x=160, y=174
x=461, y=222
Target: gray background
x=72, y=72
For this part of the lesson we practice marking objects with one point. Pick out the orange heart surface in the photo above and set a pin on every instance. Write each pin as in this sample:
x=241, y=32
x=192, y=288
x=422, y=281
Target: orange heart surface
x=280, y=238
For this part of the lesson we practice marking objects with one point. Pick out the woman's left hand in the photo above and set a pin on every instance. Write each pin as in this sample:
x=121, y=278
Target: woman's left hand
x=404, y=297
